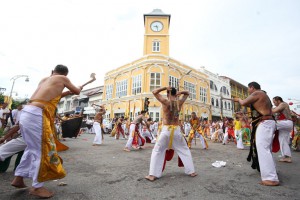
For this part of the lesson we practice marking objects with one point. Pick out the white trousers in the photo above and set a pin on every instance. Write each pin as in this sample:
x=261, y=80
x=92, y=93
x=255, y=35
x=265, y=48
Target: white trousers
x=31, y=127
x=159, y=151
x=264, y=139
x=12, y=147
x=146, y=133
x=225, y=139
x=98, y=132
x=187, y=131
x=130, y=138
x=239, y=142
x=284, y=127
x=201, y=139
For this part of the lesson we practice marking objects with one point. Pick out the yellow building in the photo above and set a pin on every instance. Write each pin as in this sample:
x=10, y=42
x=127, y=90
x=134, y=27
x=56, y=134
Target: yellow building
x=127, y=87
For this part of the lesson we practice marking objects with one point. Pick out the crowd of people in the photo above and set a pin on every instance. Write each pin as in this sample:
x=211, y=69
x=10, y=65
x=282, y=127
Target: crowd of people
x=38, y=141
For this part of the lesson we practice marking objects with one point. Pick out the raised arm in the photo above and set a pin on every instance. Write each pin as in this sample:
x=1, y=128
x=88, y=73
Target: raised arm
x=158, y=96
x=185, y=96
x=71, y=87
x=66, y=93
x=279, y=108
x=250, y=99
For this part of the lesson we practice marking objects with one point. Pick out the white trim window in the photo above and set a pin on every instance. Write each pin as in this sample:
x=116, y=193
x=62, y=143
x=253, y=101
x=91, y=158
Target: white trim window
x=121, y=88
x=155, y=46
x=203, y=94
x=173, y=82
x=68, y=105
x=191, y=88
x=155, y=81
x=137, y=84
x=108, y=91
x=154, y=116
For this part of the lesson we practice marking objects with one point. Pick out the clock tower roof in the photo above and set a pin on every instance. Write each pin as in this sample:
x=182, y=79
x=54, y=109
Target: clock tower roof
x=157, y=12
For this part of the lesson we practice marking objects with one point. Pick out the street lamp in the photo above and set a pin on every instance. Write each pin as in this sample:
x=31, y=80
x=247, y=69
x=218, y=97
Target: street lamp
x=14, y=79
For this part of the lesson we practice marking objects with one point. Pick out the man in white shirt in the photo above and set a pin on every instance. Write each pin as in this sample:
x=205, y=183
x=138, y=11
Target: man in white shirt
x=3, y=111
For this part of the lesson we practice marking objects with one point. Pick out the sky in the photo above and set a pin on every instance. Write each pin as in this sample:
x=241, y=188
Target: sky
x=246, y=40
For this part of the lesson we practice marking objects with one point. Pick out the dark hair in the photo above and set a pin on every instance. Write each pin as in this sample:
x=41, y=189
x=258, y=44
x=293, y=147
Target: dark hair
x=149, y=119
x=61, y=69
x=143, y=111
x=173, y=91
x=278, y=98
x=255, y=85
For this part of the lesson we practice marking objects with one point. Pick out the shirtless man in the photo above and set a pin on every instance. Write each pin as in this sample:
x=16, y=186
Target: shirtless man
x=170, y=136
x=263, y=127
x=97, y=125
x=35, y=163
x=284, y=125
x=196, y=131
x=135, y=140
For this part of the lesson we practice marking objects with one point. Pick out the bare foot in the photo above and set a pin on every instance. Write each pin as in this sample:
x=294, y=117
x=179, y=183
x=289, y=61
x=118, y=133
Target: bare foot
x=126, y=149
x=286, y=159
x=18, y=182
x=41, y=192
x=150, y=178
x=193, y=174
x=269, y=183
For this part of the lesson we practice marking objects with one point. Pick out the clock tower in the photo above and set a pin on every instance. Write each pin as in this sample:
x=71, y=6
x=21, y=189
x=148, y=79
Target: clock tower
x=156, y=38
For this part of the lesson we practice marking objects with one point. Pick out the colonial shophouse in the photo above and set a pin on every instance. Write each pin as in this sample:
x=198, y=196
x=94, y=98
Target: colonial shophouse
x=238, y=90
x=127, y=87
x=84, y=101
x=220, y=93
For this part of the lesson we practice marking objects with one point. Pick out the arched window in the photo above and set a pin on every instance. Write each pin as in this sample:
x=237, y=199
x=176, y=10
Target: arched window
x=229, y=106
x=217, y=103
x=223, y=90
x=212, y=102
x=225, y=105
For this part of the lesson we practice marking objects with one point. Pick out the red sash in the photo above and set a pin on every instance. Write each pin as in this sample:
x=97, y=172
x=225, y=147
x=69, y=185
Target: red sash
x=275, y=144
x=136, y=136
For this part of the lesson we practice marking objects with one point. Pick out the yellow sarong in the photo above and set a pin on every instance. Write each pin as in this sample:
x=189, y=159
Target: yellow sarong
x=51, y=164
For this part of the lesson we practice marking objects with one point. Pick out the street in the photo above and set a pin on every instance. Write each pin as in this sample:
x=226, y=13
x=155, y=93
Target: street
x=107, y=172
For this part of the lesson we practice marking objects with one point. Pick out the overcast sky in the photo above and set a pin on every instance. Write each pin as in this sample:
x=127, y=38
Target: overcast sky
x=247, y=40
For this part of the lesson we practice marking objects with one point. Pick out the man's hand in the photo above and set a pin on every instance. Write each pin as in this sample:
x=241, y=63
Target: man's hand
x=236, y=99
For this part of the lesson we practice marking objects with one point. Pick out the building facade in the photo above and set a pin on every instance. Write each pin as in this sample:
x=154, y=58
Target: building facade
x=220, y=94
x=238, y=90
x=127, y=87
x=84, y=101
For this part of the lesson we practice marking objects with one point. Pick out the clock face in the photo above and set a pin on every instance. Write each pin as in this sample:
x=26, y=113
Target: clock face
x=156, y=26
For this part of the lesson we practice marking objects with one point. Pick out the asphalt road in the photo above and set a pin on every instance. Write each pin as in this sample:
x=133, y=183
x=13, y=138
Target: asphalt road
x=107, y=172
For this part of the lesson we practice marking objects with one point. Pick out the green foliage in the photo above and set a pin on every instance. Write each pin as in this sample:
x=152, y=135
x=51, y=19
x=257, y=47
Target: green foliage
x=1, y=98
x=14, y=103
